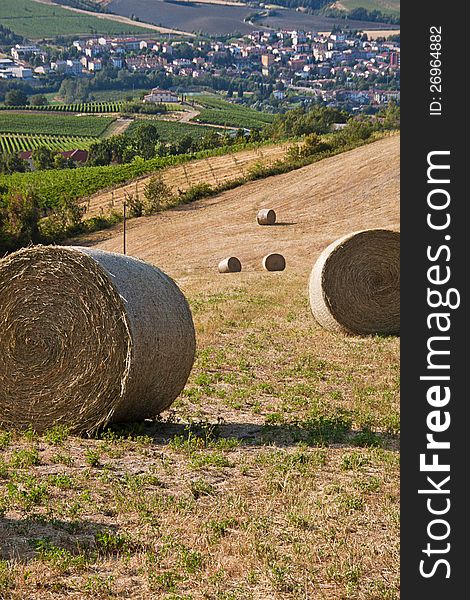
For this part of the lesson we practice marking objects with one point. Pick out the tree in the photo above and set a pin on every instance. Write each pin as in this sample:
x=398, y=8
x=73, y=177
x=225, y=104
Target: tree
x=16, y=98
x=15, y=164
x=145, y=138
x=43, y=158
x=240, y=91
x=39, y=100
x=21, y=218
x=157, y=194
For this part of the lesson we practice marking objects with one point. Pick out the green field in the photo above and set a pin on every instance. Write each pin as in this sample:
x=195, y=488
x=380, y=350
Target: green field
x=36, y=21
x=389, y=7
x=170, y=131
x=11, y=143
x=48, y=124
x=79, y=107
x=51, y=185
x=217, y=111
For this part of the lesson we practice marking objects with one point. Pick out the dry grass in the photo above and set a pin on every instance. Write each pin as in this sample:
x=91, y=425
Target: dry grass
x=275, y=474
x=214, y=171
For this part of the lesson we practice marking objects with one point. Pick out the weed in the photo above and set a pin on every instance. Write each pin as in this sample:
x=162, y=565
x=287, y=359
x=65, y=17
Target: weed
x=24, y=458
x=199, y=488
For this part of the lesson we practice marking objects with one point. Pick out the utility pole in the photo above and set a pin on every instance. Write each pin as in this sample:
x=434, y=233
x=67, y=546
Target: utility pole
x=124, y=228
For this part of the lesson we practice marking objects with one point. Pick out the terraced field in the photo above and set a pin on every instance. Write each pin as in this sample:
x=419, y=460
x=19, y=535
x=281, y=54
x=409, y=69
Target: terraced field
x=11, y=143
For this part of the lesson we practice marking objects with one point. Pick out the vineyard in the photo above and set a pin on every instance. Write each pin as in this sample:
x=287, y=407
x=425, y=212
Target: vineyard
x=172, y=131
x=12, y=143
x=79, y=107
x=217, y=111
x=51, y=185
x=70, y=125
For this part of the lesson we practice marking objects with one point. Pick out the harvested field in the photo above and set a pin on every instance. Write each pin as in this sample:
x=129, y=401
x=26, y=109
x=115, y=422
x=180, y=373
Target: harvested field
x=214, y=171
x=286, y=483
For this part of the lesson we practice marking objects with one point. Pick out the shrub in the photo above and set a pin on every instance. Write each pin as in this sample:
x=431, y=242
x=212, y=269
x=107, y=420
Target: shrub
x=157, y=195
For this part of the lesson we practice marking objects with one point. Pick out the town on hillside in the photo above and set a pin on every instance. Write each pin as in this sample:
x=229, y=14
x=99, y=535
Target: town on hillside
x=342, y=68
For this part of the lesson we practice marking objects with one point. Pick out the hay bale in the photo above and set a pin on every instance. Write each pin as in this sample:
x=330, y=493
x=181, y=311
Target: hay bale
x=230, y=265
x=89, y=337
x=274, y=262
x=355, y=284
x=266, y=216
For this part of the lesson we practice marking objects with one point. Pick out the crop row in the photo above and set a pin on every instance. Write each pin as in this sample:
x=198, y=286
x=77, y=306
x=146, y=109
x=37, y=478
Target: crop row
x=48, y=124
x=78, y=107
x=218, y=111
x=51, y=185
x=12, y=143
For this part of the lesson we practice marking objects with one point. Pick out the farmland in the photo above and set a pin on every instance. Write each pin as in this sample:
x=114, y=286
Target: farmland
x=51, y=185
x=78, y=107
x=275, y=475
x=391, y=7
x=216, y=19
x=36, y=20
x=170, y=131
x=53, y=124
x=220, y=112
x=12, y=143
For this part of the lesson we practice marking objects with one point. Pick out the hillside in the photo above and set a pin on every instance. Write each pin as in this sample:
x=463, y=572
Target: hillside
x=214, y=171
x=355, y=190
x=275, y=474
x=388, y=7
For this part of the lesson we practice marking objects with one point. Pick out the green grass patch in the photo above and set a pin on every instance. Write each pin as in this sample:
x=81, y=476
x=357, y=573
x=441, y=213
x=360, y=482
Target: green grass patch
x=217, y=111
x=37, y=21
x=54, y=124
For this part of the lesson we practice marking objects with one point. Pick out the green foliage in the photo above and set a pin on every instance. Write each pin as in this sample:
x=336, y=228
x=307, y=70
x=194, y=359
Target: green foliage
x=54, y=124
x=11, y=143
x=157, y=195
x=15, y=98
x=28, y=18
x=220, y=112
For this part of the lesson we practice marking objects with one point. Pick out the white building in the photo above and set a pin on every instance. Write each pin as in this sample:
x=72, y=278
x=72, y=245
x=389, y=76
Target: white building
x=158, y=95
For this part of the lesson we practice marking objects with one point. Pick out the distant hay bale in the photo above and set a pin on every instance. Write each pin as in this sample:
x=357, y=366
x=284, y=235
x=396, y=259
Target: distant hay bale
x=355, y=284
x=230, y=265
x=89, y=337
x=266, y=216
x=274, y=262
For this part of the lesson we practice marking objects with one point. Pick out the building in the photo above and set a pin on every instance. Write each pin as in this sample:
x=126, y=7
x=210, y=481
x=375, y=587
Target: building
x=158, y=95
x=21, y=51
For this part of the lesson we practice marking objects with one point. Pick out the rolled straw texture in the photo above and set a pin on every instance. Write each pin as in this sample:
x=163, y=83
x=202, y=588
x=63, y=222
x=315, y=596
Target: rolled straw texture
x=355, y=284
x=230, y=265
x=89, y=337
x=266, y=216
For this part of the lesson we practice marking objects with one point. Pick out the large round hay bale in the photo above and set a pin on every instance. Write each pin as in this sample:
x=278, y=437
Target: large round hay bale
x=230, y=265
x=266, y=216
x=89, y=337
x=355, y=284
x=274, y=262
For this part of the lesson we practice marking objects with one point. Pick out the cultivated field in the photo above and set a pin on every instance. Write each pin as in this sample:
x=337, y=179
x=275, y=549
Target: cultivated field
x=77, y=107
x=11, y=143
x=38, y=20
x=214, y=170
x=391, y=7
x=217, y=111
x=217, y=19
x=48, y=124
x=285, y=486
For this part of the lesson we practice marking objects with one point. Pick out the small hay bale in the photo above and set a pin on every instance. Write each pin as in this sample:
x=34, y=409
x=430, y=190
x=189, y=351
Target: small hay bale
x=89, y=337
x=274, y=262
x=230, y=265
x=266, y=216
x=355, y=284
